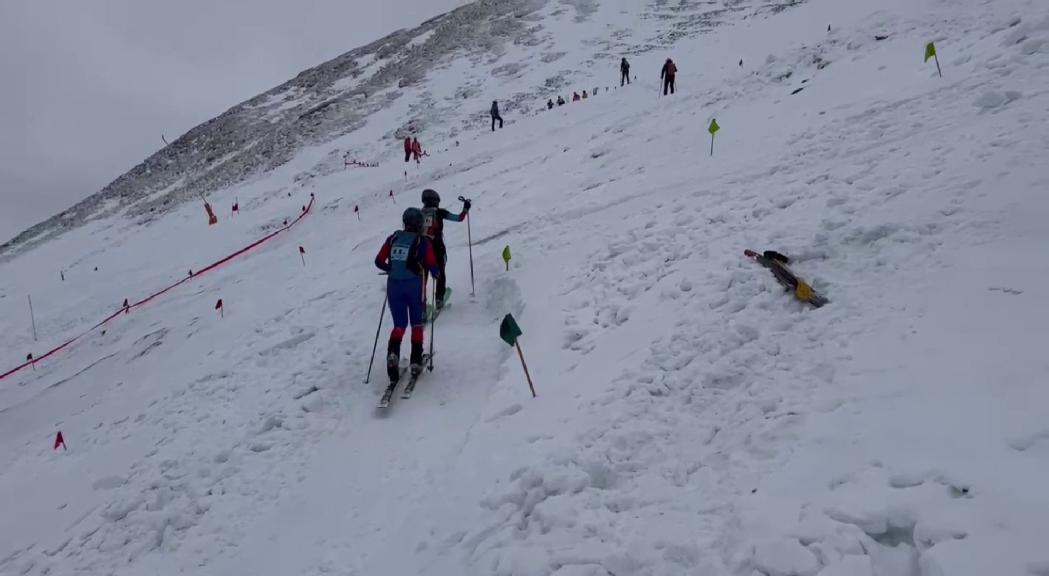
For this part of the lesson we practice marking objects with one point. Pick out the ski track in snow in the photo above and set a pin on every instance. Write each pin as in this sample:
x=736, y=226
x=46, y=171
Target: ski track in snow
x=692, y=418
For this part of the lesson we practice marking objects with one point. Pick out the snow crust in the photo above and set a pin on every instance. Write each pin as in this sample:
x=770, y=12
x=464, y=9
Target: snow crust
x=692, y=418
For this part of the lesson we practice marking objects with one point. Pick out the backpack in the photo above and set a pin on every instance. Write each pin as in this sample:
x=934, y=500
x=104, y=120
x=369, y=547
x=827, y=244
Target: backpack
x=411, y=259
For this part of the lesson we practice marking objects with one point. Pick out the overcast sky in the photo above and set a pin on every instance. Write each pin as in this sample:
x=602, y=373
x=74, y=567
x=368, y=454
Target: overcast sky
x=88, y=86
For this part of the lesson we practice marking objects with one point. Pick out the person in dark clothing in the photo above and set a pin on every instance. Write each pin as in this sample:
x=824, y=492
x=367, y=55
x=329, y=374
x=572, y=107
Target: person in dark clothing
x=417, y=149
x=575, y=96
x=624, y=72
x=495, y=115
x=667, y=76
x=550, y=104
x=405, y=256
x=560, y=101
x=408, y=149
x=433, y=228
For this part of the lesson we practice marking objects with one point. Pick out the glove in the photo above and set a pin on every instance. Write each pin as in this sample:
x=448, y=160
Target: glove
x=466, y=206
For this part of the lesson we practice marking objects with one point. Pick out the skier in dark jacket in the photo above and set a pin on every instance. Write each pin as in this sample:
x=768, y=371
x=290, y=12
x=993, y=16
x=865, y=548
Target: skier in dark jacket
x=560, y=101
x=408, y=149
x=624, y=72
x=667, y=75
x=405, y=255
x=550, y=104
x=433, y=228
x=495, y=115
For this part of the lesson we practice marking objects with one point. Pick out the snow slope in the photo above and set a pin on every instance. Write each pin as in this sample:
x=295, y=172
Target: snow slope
x=691, y=417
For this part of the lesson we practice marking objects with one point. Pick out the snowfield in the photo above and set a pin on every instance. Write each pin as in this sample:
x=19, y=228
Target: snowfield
x=691, y=417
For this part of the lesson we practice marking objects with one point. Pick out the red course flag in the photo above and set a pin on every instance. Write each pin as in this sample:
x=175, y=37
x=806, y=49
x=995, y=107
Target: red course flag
x=302, y=254
x=357, y=211
x=218, y=306
x=60, y=441
x=127, y=307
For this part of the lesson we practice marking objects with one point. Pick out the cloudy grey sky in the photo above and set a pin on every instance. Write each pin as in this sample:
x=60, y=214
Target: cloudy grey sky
x=88, y=86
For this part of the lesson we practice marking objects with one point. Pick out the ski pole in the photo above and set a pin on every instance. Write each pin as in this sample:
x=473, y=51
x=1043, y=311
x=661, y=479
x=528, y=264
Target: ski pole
x=382, y=314
x=433, y=323
x=469, y=239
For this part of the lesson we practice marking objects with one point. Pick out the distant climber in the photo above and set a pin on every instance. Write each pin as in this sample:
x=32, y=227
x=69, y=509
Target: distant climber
x=417, y=149
x=575, y=97
x=667, y=76
x=560, y=100
x=495, y=115
x=550, y=104
x=624, y=72
x=584, y=94
x=407, y=148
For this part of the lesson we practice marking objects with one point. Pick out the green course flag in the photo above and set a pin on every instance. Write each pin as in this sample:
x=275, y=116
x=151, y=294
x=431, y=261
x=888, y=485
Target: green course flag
x=713, y=130
x=930, y=52
x=506, y=257
x=509, y=330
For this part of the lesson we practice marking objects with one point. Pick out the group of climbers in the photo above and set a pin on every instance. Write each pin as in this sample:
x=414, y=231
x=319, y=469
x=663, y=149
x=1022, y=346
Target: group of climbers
x=667, y=76
x=412, y=148
x=410, y=257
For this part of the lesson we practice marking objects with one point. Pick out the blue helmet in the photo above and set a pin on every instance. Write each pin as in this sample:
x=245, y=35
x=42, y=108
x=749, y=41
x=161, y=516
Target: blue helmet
x=413, y=219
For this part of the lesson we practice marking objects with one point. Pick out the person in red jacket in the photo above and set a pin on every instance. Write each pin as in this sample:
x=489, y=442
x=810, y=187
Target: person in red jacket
x=407, y=148
x=667, y=76
x=417, y=149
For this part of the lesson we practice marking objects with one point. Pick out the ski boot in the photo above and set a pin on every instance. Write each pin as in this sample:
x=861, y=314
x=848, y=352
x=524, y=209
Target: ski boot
x=417, y=359
x=393, y=360
x=393, y=367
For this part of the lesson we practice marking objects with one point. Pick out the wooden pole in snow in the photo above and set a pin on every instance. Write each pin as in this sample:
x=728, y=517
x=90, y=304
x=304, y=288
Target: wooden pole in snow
x=32, y=316
x=525, y=366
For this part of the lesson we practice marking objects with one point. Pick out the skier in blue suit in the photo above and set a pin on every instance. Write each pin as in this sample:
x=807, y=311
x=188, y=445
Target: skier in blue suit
x=405, y=256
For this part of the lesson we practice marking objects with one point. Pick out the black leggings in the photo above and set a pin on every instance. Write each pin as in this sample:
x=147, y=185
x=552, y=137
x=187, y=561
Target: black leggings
x=668, y=82
x=494, y=118
x=441, y=252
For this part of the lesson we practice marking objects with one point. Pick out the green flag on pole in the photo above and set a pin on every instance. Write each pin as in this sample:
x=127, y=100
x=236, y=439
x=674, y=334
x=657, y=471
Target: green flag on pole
x=713, y=128
x=506, y=257
x=930, y=52
x=509, y=330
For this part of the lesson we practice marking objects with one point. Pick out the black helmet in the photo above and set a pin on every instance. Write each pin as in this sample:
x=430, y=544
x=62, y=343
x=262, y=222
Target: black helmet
x=413, y=219
x=431, y=197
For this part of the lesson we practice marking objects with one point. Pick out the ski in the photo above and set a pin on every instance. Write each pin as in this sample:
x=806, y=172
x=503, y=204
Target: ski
x=387, y=395
x=410, y=387
x=432, y=311
x=777, y=264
